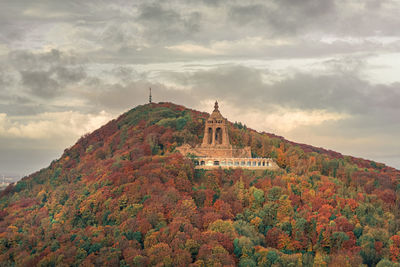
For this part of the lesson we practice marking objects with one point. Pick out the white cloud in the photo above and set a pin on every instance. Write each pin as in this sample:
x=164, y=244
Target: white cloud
x=279, y=119
x=384, y=68
x=193, y=49
x=40, y=13
x=245, y=45
x=67, y=125
x=285, y=120
x=3, y=50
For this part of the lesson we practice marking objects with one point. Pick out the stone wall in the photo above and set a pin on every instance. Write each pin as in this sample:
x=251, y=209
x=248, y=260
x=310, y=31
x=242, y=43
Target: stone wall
x=245, y=163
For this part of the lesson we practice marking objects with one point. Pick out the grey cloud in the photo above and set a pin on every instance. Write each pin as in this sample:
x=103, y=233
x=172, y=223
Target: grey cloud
x=230, y=82
x=139, y=31
x=10, y=32
x=11, y=100
x=338, y=92
x=22, y=107
x=122, y=25
x=69, y=75
x=120, y=34
x=127, y=74
x=235, y=50
x=347, y=65
x=119, y=97
x=40, y=83
x=167, y=25
x=45, y=74
x=26, y=60
x=18, y=19
x=283, y=16
x=368, y=18
x=212, y=2
x=48, y=84
x=56, y=10
x=333, y=92
x=29, y=81
x=333, y=17
x=250, y=14
x=134, y=55
x=309, y=7
x=5, y=79
x=102, y=95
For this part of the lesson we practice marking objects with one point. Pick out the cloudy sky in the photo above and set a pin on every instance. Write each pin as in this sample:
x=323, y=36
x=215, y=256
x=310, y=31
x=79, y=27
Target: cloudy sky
x=326, y=73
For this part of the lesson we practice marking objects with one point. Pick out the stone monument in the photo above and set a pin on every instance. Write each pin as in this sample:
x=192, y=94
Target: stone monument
x=216, y=151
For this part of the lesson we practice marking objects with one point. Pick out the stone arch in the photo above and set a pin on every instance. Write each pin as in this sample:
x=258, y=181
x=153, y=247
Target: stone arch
x=210, y=135
x=218, y=136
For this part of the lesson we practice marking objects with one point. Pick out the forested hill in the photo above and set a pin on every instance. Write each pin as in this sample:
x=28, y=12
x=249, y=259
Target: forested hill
x=122, y=196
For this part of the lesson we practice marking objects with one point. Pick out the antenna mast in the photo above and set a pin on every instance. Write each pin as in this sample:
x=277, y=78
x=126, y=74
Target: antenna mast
x=150, y=96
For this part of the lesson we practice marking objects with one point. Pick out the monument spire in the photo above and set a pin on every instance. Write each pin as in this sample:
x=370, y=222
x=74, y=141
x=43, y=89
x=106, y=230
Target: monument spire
x=216, y=106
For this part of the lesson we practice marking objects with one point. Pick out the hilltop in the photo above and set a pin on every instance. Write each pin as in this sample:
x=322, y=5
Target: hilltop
x=123, y=196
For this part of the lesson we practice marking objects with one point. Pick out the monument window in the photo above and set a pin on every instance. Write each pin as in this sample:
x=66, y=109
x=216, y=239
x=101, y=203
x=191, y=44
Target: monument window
x=259, y=163
x=263, y=163
x=254, y=163
x=236, y=163
x=210, y=135
x=243, y=163
x=216, y=163
x=196, y=162
x=249, y=163
x=218, y=136
x=230, y=163
x=267, y=163
x=202, y=162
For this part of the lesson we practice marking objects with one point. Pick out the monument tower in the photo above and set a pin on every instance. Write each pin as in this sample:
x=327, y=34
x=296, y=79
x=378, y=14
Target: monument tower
x=216, y=151
x=216, y=131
